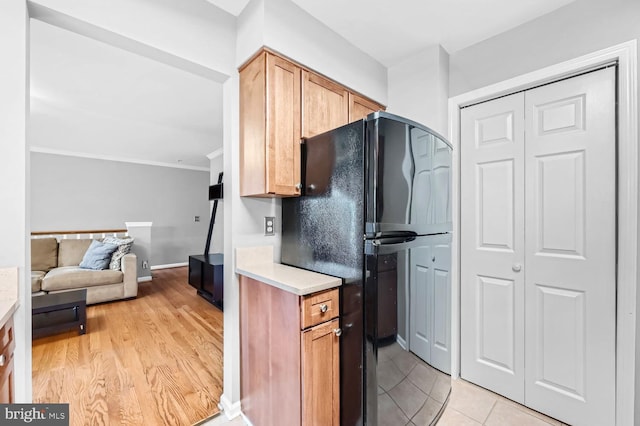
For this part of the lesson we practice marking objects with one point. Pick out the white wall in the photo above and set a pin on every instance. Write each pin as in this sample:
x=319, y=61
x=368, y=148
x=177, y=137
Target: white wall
x=199, y=33
x=81, y=193
x=14, y=194
x=579, y=28
x=419, y=87
x=291, y=31
x=243, y=228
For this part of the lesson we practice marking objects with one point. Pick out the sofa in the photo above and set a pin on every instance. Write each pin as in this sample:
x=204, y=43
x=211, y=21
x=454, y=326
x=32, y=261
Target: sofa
x=55, y=268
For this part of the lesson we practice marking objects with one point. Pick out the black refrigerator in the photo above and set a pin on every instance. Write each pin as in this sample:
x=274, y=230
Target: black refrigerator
x=376, y=212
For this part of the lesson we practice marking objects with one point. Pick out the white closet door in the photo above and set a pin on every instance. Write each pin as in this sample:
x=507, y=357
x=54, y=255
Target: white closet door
x=492, y=245
x=570, y=255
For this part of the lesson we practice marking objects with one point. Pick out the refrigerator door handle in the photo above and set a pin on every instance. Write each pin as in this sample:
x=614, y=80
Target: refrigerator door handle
x=391, y=245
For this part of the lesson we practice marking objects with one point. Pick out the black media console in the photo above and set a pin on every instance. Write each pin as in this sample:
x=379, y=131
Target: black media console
x=205, y=274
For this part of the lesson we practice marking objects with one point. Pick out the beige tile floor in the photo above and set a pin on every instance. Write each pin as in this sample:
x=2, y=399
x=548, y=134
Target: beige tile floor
x=468, y=405
x=410, y=391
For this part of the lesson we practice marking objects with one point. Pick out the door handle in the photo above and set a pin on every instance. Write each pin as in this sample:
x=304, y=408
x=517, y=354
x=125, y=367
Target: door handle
x=516, y=267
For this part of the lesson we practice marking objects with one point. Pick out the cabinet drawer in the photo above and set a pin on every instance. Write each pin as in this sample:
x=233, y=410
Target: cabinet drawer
x=320, y=307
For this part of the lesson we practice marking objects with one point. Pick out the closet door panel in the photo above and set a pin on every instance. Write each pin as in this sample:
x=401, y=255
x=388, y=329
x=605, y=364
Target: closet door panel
x=570, y=258
x=492, y=235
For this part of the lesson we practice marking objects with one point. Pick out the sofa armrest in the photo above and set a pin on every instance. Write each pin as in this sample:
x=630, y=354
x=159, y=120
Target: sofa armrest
x=130, y=272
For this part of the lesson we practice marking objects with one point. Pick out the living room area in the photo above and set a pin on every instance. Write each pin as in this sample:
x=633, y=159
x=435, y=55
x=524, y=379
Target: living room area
x=117, y=138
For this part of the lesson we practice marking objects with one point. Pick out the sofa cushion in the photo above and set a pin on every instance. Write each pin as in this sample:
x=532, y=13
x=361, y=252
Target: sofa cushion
x=98, y=255
x=124, y=247
x=44, y=254
x=36, y=281
x=71, y=252
x=68, y=277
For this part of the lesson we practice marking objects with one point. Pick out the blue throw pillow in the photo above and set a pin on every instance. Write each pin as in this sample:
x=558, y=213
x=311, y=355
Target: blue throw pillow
x=98, y=255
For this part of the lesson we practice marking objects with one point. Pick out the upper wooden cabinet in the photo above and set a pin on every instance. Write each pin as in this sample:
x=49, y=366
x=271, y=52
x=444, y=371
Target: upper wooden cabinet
x=325, y=105
x=360, y=107
x=280, y=103
x=269, y=127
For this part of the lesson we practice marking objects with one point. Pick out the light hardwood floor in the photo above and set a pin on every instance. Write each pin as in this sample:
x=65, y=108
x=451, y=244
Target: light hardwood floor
x=153, y=360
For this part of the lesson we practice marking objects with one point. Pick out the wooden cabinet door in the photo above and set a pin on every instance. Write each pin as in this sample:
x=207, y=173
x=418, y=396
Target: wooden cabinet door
x=283, y=127
x=7, y=383
x=360, y=107
x=253, y=130
x=326, y=105
x=7, y=345
x=321, y=375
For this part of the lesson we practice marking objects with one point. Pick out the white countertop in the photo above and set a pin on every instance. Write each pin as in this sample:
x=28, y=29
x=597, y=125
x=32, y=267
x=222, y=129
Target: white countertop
x=7, y=308
x=8, y=293
x=257, y=263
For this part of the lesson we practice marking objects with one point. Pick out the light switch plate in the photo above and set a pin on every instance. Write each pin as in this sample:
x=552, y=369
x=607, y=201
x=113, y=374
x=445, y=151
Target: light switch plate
x=269, y=225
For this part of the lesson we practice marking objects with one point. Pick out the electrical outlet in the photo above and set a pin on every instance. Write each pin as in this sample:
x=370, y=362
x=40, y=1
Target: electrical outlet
x=197, y=218
x=269, y=225
x=145, y=264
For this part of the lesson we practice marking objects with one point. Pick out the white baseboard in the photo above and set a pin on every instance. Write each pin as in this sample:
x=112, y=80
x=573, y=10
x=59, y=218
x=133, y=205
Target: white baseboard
x=169, y=265
x=402, y=343
x=230, y=410
x=143, y=279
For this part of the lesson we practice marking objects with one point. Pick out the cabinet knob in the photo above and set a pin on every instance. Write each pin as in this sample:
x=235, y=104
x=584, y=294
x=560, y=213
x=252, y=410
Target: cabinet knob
x=433, y=259
x=298, y=186
x=337, y=332
x=323, y=308
x=311, y=188
x=3, y=360
x=517, y=267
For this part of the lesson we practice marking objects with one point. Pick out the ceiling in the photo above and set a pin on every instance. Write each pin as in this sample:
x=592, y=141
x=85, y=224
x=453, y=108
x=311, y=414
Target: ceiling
x=94, y=99
x=390, y=33
x=123, y=105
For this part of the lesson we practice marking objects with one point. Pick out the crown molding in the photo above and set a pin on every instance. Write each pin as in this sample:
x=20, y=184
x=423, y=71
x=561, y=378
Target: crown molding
x=43, y=150
x=217, y=153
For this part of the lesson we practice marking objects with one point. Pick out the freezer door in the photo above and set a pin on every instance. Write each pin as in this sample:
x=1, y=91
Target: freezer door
x=408, y=178
x=322, y=230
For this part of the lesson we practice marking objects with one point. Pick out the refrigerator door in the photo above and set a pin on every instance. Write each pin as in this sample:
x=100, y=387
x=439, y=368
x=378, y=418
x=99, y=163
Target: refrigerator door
x=323, y=231
x=407, y=328
x=408, y=178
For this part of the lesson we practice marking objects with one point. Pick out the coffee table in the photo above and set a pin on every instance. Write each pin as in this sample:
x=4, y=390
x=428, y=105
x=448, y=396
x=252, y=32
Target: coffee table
x=53, y=313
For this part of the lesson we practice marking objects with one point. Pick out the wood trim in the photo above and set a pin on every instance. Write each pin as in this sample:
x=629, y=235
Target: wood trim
x=365, y=102
x=87, y=231
x=304, y=68
x=314, y=77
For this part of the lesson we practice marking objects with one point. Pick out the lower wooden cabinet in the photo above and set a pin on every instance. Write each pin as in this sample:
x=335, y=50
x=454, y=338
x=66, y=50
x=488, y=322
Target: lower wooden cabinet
x=289, y=355
x=7, y=379
x=321, y=374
